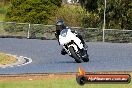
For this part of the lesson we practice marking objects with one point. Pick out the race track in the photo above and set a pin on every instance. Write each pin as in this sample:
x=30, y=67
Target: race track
x=46, y=57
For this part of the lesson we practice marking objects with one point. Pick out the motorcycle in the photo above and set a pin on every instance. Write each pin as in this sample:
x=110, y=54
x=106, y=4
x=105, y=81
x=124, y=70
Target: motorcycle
x=73, y=46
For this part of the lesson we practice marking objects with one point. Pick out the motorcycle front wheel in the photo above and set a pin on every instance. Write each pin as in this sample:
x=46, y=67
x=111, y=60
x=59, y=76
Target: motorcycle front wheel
x=74, y=55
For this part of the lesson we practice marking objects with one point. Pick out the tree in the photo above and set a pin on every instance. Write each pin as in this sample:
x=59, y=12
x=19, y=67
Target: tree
x=70, y=13
x=118, y=12
x=89, y=5
x=91, y=19
x=32, y=11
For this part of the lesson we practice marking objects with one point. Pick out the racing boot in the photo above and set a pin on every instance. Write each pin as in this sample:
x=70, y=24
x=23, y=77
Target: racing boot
x=63, y=52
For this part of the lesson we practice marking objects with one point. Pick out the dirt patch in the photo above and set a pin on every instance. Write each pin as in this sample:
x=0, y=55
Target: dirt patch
x=31, y=77
x=8, y=78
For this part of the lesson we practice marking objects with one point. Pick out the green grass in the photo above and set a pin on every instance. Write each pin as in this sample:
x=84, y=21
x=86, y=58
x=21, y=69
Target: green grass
x=6, y=59
x=58, y=83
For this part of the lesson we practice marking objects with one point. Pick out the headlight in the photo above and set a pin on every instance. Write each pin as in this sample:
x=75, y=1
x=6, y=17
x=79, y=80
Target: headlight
x=64, y=34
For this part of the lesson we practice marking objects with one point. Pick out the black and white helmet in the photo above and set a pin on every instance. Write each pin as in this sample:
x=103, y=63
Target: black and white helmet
x=60, y=25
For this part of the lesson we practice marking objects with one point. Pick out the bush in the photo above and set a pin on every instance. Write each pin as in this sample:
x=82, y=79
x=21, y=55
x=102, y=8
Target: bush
x=31, y=11
x=71, y=14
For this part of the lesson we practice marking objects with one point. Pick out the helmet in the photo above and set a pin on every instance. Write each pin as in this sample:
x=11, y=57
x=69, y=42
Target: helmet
x=60, y=25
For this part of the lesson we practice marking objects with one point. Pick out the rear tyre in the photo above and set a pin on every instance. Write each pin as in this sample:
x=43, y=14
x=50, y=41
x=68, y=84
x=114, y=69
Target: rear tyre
x=74, y=55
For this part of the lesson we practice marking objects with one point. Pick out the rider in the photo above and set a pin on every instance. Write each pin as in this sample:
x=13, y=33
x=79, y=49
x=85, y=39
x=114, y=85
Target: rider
x=61, y=26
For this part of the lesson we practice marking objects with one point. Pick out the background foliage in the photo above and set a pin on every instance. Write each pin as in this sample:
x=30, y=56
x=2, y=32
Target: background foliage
x=89, y=14
x=118, y=12
x=31, y=11
x=71, y=14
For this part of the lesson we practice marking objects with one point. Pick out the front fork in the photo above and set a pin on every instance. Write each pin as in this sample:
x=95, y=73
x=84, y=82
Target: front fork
x=66, y=50
x=72, y=45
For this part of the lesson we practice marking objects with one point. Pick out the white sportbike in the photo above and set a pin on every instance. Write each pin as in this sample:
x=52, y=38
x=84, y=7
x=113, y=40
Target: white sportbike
x=73, y=46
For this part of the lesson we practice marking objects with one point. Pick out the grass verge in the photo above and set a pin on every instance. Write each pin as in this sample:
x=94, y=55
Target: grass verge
x=6, y=59
x=61, y=82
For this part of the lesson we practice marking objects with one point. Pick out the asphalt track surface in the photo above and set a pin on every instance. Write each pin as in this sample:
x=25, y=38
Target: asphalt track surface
x=46, y=57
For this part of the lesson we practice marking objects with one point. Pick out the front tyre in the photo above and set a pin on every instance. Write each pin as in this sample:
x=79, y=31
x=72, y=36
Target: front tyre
x=74, y=55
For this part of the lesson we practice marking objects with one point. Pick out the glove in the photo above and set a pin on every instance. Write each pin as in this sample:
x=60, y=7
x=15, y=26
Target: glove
x=74, y=32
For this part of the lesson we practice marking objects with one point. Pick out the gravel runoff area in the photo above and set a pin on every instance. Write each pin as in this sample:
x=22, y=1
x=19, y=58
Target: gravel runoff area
x=46, y=57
